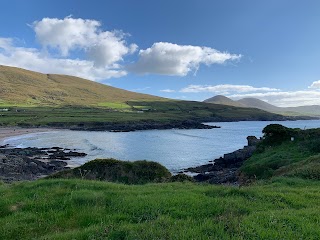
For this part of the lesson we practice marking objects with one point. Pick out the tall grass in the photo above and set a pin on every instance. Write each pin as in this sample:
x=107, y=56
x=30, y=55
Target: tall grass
x=80, y=209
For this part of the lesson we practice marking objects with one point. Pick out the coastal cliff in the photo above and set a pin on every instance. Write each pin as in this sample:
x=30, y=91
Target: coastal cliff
x=224, y=170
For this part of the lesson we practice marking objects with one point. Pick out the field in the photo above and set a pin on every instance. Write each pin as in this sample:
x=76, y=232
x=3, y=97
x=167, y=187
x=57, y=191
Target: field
x=284, y=208
x=132, y=111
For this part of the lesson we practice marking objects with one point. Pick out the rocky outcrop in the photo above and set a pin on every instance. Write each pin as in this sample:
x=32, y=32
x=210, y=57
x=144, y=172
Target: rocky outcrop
x=142, y=125
x=225, y=169
x=19, y=164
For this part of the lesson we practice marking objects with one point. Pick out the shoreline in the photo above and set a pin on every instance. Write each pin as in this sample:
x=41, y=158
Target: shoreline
x=8, y=132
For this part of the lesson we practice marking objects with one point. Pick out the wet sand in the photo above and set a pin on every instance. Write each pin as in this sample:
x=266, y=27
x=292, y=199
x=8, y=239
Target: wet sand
x=7, y=132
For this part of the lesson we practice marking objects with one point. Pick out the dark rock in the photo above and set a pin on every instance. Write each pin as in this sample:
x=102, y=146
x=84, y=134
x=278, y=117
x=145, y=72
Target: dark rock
x=225, y=169
x=253, y=141
x=20, y=164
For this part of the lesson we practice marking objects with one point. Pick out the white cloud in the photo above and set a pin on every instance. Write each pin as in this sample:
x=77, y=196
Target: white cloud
x=33, y=59
x=177, y=60
x=225, y=88
x=285, y=99
x=315, y=85
x=167, y=90
x=104, y=48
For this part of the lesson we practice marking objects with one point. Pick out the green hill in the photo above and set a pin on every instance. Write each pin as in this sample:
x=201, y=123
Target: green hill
x=33, y=99
x=28, y=88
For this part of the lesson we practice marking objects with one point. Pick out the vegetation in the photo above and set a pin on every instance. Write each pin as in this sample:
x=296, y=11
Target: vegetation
x=27, y=88
x=35, y=99
x=138, y=172
x=285, y=152
x=283, y=205
x=158, y=111
x=80, y=209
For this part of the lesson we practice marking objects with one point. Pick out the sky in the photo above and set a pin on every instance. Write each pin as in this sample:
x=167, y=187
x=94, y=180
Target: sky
x=189, y=50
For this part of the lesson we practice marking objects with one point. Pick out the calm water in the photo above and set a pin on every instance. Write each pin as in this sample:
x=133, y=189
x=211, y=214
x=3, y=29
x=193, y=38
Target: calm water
x=175, y=149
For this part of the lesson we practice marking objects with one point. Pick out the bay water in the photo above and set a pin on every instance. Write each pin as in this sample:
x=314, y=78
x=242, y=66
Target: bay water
x=176, y=149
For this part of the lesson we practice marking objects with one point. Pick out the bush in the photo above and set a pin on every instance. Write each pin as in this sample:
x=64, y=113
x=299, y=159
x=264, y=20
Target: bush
x=112, y=170
x=181, y=178
x=275, y=134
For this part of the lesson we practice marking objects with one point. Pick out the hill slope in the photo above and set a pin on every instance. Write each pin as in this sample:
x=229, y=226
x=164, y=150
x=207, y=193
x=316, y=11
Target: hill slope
x=312, y=110
x=257, y=103
x=220, y=99
x=19, y=86
x=33, y=99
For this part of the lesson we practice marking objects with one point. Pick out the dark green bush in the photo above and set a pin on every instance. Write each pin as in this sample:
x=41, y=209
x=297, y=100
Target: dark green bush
x=275, y=134
x=181, y=178
x=112, y=170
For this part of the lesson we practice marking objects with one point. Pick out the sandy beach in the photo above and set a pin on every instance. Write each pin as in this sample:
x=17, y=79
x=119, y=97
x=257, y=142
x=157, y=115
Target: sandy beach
x=7, y=132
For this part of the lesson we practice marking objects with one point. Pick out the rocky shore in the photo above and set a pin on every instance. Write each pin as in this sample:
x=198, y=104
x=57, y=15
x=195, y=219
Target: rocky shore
x=19, y=164
x=142, y=125
x=224, y=170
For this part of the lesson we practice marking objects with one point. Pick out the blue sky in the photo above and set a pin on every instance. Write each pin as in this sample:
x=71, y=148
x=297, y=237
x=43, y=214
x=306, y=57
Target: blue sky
x=177, y=49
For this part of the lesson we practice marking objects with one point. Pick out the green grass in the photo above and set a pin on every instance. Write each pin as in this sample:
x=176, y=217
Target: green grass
x=80, y=209
x=159, y=111
x=278, y=156
x=114, y=105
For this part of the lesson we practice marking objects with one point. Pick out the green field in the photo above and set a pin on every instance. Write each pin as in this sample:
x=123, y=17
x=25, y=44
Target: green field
x=77, y=209
x=132, y=111
x=36, y=99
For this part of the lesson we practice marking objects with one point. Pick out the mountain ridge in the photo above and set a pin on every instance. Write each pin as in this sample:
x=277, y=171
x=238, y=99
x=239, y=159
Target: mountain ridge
x=310, y=110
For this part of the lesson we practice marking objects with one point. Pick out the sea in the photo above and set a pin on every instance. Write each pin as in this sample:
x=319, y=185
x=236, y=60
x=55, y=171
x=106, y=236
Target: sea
x=176, y=149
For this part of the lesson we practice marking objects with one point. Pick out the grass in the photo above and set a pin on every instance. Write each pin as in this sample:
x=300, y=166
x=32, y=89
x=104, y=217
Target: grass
x=285, y=208
x=36, y=99
x=158, y=111
x=22, y=87
x=114, y=105
x=277, y=155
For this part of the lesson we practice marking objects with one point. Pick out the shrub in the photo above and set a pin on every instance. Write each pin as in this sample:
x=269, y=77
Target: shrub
x=181, y=178
x=275, y=134
x=139, y=172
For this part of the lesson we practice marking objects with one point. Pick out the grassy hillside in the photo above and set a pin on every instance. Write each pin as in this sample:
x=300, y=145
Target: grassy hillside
x=81, y=209
x=33, y=99
x=158, y=111
x=27, y=88
x=277, y=155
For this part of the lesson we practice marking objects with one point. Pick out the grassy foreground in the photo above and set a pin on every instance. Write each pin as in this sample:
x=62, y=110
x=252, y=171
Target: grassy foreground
x=284, y=208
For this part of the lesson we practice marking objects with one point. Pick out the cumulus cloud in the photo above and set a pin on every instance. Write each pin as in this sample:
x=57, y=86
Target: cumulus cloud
x=33, y=59
x=285, y=99
x=177, y=60
x=102, y=51
x=225, y=88
x=167, y=90
x=104, y=48
x=80, y=47
x=315, y=85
